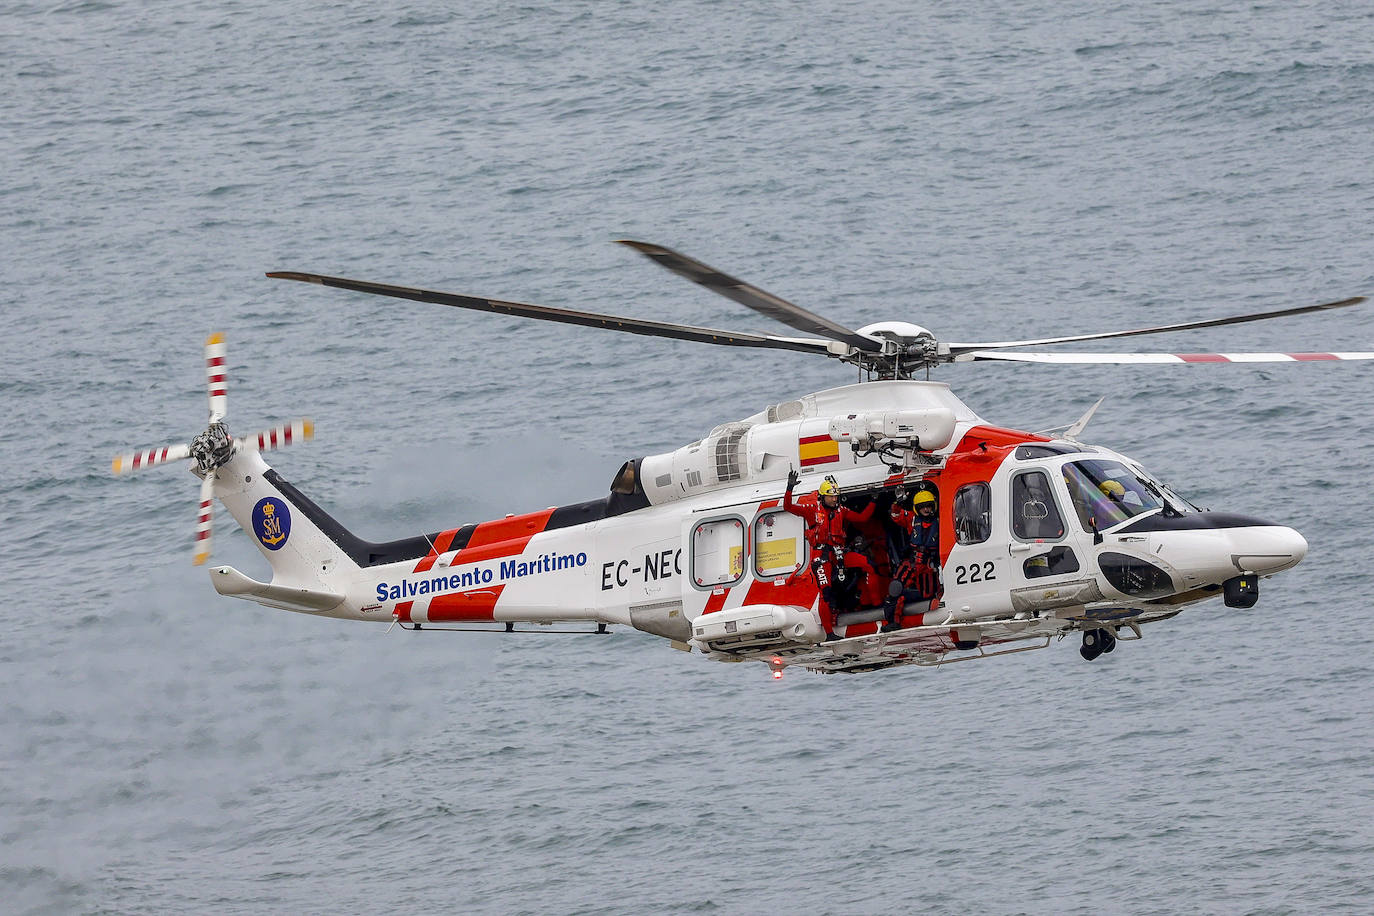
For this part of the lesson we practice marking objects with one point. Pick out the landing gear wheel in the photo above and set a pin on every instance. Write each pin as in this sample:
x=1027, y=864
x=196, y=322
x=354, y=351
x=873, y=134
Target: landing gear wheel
x=1092, y=645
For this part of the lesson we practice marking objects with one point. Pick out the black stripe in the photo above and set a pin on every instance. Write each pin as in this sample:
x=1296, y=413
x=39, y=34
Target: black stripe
x=577, y=514
x=1192, y=521
x=460, y=540
x=364, y=553
x=369, y=553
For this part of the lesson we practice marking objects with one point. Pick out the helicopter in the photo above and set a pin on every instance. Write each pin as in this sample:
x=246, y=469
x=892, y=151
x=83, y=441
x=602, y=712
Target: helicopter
x=1038, y=535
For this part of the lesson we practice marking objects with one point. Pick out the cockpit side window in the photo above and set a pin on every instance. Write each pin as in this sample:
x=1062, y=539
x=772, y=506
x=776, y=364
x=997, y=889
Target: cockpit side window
x=1107, y=493
x=1034, y=515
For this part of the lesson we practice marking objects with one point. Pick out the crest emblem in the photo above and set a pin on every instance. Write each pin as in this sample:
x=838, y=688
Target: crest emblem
x=272, y=522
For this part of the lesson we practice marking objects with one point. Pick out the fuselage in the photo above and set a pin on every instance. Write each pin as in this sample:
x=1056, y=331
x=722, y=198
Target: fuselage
x=1028, y=526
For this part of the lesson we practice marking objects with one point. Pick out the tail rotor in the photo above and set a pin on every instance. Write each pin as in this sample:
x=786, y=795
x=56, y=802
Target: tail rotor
x=213, y=448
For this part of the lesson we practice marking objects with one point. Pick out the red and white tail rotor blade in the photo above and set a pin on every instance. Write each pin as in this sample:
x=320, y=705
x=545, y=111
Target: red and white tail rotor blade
x=215, y=354
x=1079, y=359
x=282, y=434
x=205, y=521
x=150, y=457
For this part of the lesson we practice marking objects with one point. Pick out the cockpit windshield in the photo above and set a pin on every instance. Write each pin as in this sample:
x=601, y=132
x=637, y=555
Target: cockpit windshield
x=1107, y=493
x=1170, y=496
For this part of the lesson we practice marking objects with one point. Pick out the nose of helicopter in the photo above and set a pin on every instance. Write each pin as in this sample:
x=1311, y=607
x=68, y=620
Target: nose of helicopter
x=1213, y=547
x=1267, y=549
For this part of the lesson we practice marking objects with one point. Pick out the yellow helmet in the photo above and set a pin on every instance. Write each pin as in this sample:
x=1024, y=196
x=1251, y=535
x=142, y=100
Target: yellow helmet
x=1112, y=488
x=828, y=487
x=923, y=498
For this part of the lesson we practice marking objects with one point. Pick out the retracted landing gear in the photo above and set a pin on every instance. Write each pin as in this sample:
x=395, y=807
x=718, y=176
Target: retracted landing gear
x=1097, y=642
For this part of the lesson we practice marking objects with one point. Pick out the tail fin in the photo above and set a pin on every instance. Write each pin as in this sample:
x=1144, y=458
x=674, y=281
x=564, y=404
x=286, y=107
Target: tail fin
x=309, y=568
x=314, y=558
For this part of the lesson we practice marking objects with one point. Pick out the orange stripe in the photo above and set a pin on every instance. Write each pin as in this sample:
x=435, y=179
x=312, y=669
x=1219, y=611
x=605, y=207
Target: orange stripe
x=505, y=529
x=475, y=605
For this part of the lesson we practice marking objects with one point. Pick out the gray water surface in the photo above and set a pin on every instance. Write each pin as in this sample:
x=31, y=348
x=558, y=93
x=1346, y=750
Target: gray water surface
x=1018, y=169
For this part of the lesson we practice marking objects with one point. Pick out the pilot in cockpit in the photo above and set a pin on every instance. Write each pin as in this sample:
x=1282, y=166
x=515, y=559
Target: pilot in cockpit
x=1114, y=505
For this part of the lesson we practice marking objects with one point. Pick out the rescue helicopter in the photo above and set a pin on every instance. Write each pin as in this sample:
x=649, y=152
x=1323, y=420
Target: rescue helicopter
x=1039, y=535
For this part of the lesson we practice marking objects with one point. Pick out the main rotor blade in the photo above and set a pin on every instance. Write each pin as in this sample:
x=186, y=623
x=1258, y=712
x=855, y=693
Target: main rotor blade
x=565, y=316
x=1066, y=359
x=957, y=348
x=752, y=297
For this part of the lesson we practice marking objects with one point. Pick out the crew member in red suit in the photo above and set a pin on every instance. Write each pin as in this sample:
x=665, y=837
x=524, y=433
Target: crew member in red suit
x=825, y=531
x=875, y=533
x=872, y=584
x=918, y=570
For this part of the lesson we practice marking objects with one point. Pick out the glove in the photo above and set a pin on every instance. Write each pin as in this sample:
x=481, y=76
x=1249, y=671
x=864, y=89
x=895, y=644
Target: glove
x=792, y=478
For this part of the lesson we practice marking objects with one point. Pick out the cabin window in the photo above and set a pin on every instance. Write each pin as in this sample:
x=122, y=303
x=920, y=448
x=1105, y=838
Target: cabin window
x=1034, y=516
x=718, y=552
x=973, y=513
x=1058, y=561
x=779, y=544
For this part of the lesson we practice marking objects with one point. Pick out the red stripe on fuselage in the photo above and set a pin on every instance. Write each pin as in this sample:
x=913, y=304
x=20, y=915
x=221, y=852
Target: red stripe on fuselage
x=479, y=604
x=1203, y=358
x=506, y=529
x=1305, y=357
x=503, y=537
x=491, y=540
x=441, y=544
x=716, y=601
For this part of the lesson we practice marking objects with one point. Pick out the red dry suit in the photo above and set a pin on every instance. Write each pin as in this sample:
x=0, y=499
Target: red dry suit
x=825, y=526
x=873, y=584
x=825, y=532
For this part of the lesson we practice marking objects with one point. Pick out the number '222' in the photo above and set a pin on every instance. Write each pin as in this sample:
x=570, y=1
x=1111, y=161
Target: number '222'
x=977, y=572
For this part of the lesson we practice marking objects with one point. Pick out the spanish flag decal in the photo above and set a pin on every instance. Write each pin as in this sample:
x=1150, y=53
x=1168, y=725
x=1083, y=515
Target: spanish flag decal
x=815, y=450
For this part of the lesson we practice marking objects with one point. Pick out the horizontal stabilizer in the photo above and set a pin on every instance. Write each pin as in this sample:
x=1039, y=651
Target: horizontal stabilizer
x=229, y=581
